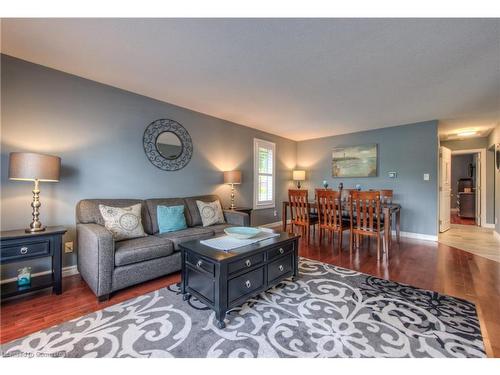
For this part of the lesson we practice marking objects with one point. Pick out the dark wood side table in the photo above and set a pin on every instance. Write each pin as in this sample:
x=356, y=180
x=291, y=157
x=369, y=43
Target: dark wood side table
x=19, y=246
x=246, y=210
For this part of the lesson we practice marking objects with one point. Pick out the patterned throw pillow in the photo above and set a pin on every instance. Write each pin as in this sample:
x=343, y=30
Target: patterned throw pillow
x=123, y=222
x=210, y=212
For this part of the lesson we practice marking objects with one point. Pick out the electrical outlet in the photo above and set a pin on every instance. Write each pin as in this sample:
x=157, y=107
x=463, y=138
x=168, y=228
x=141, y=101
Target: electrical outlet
x=68, y=247
x=275, y=213
x=427, y=176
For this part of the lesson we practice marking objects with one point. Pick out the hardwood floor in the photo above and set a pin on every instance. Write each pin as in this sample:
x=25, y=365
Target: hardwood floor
x=422, y=264
x=456, y=219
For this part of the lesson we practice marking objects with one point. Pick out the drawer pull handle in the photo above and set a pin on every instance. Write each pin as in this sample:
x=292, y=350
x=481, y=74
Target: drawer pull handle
x=24, y=250
x=281, y=250
x=248, y=284
x=248, y=263
x=281, y=268
x=199, y=264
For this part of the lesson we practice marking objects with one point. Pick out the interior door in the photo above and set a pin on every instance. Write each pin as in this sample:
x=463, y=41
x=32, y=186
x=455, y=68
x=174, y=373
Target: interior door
x=444, y=188
x=477, y=181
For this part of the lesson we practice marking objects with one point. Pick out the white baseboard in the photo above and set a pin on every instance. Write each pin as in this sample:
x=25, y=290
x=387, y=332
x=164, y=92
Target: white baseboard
x=66, y=271
x=417, y=236
x=488, y=225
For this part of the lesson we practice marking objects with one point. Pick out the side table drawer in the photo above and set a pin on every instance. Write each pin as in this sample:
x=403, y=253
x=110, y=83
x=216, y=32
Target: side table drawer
x=25, y=250
x=279, y=267
x=245, y=284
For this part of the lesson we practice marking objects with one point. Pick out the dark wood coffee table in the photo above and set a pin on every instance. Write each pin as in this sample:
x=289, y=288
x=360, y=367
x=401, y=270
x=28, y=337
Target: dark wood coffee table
x=223, y=280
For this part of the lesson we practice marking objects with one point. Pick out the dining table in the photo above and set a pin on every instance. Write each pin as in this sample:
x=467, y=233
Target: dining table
x=389, y=209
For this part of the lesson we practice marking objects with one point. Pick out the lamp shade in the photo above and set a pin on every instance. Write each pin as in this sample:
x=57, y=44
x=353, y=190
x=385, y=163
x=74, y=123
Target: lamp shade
x=232, y=177
x=298, y=175
x=31, y=166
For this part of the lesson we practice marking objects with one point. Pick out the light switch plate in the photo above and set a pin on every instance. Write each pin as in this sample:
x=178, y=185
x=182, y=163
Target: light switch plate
x=427, y=176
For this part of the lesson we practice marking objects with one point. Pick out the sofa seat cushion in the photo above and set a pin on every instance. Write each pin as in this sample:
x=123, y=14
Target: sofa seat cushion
x=219, y=228
x=193, y=233
x=141, y=249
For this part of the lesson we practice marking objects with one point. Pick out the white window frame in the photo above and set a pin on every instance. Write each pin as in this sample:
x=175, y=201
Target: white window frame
x=256, y=143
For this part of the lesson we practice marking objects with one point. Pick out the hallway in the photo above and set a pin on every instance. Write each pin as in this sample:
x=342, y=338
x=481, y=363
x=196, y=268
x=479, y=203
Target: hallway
x=473, y=239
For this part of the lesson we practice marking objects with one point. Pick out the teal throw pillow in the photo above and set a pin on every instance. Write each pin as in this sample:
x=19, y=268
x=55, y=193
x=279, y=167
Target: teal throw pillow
x=170, y=218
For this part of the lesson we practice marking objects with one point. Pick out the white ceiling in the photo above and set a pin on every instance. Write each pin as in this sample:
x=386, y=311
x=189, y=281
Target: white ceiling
x=298, y=78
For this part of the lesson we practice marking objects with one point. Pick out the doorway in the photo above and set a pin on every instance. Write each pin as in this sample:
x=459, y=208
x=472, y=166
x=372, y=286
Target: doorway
x=462, y=183
x=463, y=189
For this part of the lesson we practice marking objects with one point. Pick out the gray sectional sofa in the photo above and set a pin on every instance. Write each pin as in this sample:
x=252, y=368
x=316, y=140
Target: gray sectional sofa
x=108, y=266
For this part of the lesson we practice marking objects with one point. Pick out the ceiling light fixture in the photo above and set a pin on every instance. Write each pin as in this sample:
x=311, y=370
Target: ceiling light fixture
x=466, y=133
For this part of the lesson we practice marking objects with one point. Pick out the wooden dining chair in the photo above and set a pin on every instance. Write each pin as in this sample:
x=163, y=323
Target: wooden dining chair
x=330, y=218
x=300, y=212
x=365, y=218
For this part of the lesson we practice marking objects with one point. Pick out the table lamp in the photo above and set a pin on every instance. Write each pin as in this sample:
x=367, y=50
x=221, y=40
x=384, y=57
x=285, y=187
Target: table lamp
x=298, y=175
x=232, y=178
x=29, y=166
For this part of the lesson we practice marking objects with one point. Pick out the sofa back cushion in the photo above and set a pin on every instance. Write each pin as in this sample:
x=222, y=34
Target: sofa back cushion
x=87, y=211
x=193, y=216
x=152, y=205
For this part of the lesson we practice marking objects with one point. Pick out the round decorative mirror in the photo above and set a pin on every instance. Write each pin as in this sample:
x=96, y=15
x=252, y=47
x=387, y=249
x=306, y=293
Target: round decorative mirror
x=167, y=144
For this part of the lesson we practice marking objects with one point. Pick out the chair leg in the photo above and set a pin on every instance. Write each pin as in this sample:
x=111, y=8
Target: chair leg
x=320, y=235
x=378, y=246
x=385, y=245
x=341, y=234
x=351, y=237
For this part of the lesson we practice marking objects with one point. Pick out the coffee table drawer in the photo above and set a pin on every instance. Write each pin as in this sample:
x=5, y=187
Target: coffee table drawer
x=201, y=263
x=25, y=250
x=279, y=267
x=244, y=263
x=279, y=251
x=245, y=284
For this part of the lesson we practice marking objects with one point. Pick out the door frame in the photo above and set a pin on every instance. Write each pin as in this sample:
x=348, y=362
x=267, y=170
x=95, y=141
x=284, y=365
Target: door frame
x=482, y=190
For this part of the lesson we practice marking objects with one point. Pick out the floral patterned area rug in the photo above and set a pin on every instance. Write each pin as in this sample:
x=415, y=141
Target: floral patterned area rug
x=327, y=312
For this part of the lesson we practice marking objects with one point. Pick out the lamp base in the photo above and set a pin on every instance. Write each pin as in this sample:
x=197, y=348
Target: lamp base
x=33, y=230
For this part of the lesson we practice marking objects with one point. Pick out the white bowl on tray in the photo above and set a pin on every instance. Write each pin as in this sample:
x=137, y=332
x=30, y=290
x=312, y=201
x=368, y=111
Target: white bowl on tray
x=242, y=233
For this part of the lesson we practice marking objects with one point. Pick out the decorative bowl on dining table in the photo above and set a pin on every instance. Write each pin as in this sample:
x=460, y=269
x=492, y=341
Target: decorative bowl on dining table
x=242, y=233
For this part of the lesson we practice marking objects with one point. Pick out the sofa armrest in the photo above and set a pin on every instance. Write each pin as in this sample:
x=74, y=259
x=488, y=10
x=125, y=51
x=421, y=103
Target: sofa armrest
x=96, y=252
x=237, y=218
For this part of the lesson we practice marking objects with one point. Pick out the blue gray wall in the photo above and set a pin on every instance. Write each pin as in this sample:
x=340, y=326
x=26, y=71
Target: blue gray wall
x=97, y=130
x=410, y=150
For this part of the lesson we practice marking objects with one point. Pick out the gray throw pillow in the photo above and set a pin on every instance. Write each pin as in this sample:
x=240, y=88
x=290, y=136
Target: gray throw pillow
x=123, y=222
x=210, y=212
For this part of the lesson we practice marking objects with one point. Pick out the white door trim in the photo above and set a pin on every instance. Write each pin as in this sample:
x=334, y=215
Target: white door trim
x=482, y=191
